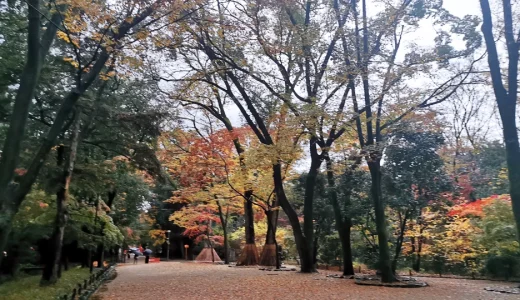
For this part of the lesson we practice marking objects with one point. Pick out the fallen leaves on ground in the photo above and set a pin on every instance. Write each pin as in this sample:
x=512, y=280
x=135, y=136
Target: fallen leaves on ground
x=190, y=280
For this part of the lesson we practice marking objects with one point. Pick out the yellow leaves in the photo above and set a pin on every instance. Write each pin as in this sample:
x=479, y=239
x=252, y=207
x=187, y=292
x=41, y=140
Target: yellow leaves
x=142, y=34
x=107, y=76
x=158, y=236
x=71, y=60
x=63, y=36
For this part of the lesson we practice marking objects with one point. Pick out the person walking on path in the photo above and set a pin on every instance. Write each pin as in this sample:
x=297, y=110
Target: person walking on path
x=147, y=254
x=136, y=257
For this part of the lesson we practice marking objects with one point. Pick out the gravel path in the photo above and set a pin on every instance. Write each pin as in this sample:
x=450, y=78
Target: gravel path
x=187, y=280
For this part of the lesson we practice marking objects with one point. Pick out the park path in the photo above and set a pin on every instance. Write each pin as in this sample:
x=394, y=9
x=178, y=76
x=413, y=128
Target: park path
x=189, y=280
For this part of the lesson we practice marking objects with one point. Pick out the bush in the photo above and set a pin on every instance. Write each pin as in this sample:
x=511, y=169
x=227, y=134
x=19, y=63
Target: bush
x=505, y=266
x=330, y=250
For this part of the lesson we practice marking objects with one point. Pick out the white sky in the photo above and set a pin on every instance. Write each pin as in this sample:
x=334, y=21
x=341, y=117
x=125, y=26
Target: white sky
x=463, y=7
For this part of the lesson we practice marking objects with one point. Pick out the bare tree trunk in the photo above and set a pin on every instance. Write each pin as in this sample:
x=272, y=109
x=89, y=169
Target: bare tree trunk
x=249, y=256
x=385, y=265
x=346, y=250
x=308, y=263
x=301, y=244
x=269, y=252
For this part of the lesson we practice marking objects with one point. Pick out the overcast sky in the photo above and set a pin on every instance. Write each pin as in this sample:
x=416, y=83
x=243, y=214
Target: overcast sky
x=463, y=7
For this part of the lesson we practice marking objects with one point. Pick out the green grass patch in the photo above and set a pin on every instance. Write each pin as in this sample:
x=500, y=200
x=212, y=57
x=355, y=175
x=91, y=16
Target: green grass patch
x=28, y=287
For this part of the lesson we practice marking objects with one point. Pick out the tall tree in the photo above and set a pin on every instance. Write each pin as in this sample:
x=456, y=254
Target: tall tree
x=37, y=48
x=413, y=176
x=505, y=87
x=110, y=35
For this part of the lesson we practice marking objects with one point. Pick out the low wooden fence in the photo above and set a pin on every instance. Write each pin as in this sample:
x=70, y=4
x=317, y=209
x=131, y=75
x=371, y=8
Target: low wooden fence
x=89, y=286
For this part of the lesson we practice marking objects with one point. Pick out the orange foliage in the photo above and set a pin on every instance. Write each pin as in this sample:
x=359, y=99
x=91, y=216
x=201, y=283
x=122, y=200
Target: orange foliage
x=476, y=208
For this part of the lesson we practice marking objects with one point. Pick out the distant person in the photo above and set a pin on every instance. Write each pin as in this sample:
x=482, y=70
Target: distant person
x=147, y=254
x=136, y=257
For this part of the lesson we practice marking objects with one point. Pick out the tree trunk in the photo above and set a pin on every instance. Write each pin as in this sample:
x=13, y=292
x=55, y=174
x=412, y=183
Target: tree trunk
x=269, y=252
x=513, y=165
x=249, y=255
x=308, y=264
x=385, y=265
x=506, y=98
x=301, y=244
x=226, y=247
x=223, y=222
x=417, y=263
x=51, y=270
x=343, y=224
x=346, y=248
x=400, y=240
x=100, y=255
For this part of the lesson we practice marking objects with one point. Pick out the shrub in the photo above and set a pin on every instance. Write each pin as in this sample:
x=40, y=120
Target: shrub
x=505, y=266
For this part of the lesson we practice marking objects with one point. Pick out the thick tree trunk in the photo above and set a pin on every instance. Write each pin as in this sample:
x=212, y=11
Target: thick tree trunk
x=346, y=249
x=308, y=208
x=304, y=252
x=513, y=162
x=249, y=255
x=269, y=252
x=385, y=265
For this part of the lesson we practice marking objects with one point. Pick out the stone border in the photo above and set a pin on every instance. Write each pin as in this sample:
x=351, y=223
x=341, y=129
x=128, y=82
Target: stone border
x=403, y=282
x=278, y=270
x=504, y=290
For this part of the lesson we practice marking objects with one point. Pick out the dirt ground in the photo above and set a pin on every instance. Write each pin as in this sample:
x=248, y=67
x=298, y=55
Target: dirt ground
x=190, y=280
